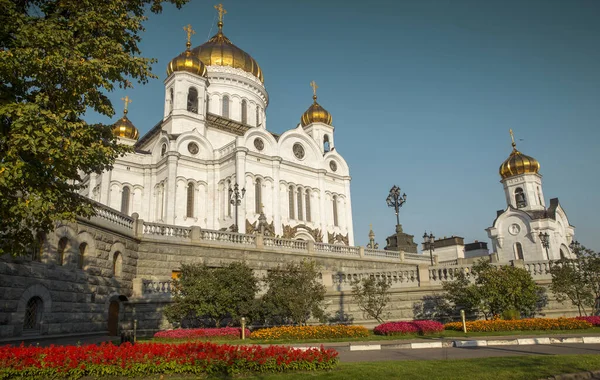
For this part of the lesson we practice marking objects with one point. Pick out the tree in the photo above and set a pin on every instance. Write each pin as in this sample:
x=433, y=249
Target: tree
x=58, y=59
x=215, y=294
x=372, y=296
x=578, y=280
x=294, y=294
x=494, y=290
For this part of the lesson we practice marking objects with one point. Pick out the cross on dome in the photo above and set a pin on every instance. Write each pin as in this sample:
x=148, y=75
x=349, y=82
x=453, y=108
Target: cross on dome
x=221, y=10
x=127, y=100
x=314, y=86
x=189, y=32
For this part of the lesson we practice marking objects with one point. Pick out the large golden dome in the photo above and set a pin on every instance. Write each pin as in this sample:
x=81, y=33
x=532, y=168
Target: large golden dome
x=315, y=114
x=125, y=128
x=220, y=51
x=186, y=61
x=518, y=163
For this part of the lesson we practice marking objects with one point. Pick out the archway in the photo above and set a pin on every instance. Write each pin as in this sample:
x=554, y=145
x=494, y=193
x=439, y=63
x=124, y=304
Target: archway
x=113, y=318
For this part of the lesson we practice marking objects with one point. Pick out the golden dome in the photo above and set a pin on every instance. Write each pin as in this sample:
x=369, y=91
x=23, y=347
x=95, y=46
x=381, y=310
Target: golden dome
x=518, y=163
x=315, y=114
x=186, y=61
x=125, y=128
x=220, y=51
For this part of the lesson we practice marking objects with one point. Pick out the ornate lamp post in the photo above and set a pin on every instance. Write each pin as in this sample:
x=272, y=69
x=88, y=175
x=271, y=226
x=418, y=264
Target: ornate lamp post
x=396, y=201
x=429, y=244
x=545, y=239
x=235, y=198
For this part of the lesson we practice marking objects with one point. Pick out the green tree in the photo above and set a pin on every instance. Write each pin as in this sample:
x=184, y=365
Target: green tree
x=216, y=294
x=58, y=59
x=578, y=280
x=494, y=290
x=372, y=296
x=294, y=294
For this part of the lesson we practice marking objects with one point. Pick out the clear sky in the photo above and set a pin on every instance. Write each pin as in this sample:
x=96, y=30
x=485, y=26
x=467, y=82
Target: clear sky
x=422, y=94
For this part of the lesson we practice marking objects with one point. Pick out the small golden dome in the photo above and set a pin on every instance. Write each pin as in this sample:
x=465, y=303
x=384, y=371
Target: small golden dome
x=518, y=163
x=315, y=114
x=186, y=61
x=125, y=128
x=220, y=51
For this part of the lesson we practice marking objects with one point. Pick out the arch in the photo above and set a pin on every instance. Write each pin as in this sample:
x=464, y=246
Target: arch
x=37, y=246
x=225, y=106
x=335, y=210
x=163, y=150
x=117, y=264
x=87, y=248
x=172, y=100
x=518, y=249
x=192, y=100
x=307, y=204
x=83, y=247
x=291, y=201
x=300, y=195
x=190, y=200
x=63, y=246
x=125, y=197
x=34, y=312
x=258, y=196
x=520, y=199
x=244, y=111
x=34, y=291
x=326, y=144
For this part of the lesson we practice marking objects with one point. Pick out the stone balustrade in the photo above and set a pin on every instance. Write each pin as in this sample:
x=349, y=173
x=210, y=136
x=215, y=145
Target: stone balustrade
x=301, y=245
x=158, y=229
x=111, y=215
x=337, y=249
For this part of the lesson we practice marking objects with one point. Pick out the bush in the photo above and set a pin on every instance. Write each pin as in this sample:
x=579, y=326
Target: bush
x=414, y=327
x=144, y=359
x=521, y=325
x=311, y=332
x=225, y=332
x=594, y=320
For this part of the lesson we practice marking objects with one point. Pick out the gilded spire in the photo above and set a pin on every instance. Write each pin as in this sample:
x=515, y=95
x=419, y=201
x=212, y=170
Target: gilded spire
x=189, y=32
x=314, y=87
x=127, y=101
x=222, y=12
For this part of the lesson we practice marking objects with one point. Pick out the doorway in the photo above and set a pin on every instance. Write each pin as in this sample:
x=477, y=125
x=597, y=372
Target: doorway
x=113, y=318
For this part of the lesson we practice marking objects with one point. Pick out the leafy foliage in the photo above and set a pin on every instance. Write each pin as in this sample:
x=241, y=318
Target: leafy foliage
x=494, y=290
x=578, y=280
x=213, y=293
x=58, y=59
x=434, y=307
x=372, y=296
x=294, y=294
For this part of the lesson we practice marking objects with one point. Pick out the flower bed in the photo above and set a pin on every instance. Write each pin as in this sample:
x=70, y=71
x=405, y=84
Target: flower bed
x=521, y=325
x=414, y=327
x=593, y=319
x=157, y=358
x=223, y=333
x=311, y=332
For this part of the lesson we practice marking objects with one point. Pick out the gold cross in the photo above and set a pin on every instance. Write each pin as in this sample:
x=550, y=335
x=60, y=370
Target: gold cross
x=127, y=101
x=512, y=137
x=221, y=11
x=371, y=226
x=189, y=31
x=314, y=87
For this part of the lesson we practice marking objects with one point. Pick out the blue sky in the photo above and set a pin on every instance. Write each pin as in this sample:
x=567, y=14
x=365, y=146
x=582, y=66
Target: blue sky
x=422, y=94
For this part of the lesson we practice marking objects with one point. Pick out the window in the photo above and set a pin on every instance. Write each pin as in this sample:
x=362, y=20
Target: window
x=125, y=200
x=326, y=147
x=192, y=100
x=225, y=112
x=520, y=198
x=258, y=196
x=163, y=150
x=335, y=211
x=244, y=112
x=307, y=201
x=562, y=254
x=539, y=194
x=62, y=248
x=227, y=197
x=190, y=201
x=33, y=314
x=291, y=202
x=171, y=100
x=257, y=116
x=300, y=208
x=518, y=251
x=117, y=264
x=82, y=252
x=37, y=247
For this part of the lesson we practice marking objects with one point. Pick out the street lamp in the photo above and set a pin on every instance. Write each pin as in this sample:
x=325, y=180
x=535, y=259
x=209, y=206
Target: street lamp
x=429, y=244
x=235, y=198
x=545, y=239
x=395, y=200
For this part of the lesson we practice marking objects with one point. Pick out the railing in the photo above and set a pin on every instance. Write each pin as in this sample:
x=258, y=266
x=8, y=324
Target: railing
x=225, y=150
x=448, y=273
x=156, y=286
x=227, y=237
x=449, y=262
x=112, y=215
x=167, y=230
x=285, y=243
x=398, y=278
x=382, y=253
x=337, y=249
x=417, y=257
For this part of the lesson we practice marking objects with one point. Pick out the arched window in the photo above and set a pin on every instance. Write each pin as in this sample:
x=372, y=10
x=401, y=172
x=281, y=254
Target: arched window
x=190, y=201
x=163, y=150
x=244, y=112
x=335, y=211
x=326, y=147
x=33, y=314
x=225, y=112
x=539, y=194
x=171, y=100
x=192, y=100
x=300, y=208
x=37, y=246
x=125, y=200
x=520, y=197
x=307, y=202
x=258, y=196
x=117, y=266
x=562, y=254
x=291, y=202
x=257, y=116
x=62, y=248
x=228, y=199
x=82, y=252
x=518, y=251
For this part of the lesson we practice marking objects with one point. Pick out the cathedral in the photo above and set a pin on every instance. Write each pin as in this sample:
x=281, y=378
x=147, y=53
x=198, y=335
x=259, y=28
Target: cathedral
x=210, y=161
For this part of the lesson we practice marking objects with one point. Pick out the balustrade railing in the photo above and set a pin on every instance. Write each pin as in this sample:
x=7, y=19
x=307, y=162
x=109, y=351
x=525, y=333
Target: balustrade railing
x=437, y=274
x=156, y=287
x=417, y=257
x=227, y=237
x=112, y=215
x=337, y=249
x=382, y=253
x=167, y=230
x=285, y=243
x=397, y=278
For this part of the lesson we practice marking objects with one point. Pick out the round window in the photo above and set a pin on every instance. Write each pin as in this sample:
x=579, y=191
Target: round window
x=333, y=166
x=259, y=144
x=193, y=148
x=298, y=151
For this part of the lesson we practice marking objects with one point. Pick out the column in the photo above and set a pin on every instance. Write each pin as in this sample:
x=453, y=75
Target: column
x=170, y=191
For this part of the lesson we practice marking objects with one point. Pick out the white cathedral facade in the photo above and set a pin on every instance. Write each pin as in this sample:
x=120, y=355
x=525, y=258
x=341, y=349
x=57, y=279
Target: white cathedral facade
x=213, y=136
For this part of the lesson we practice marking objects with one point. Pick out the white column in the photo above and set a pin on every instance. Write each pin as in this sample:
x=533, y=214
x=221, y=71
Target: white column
x=240, y=178
x=322, y=205
x=348, y=212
